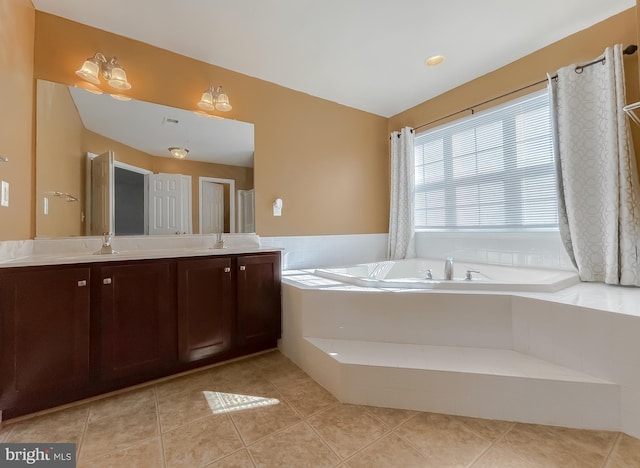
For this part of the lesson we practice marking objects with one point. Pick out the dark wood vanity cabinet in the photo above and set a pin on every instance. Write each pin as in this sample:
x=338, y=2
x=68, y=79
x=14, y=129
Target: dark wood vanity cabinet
x=68, y=332
x=258, y=296
x=134, y=319
x=44, y=336
x=205, y=307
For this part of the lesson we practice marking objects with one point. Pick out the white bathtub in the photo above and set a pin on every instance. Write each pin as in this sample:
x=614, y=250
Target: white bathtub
x=413, y=274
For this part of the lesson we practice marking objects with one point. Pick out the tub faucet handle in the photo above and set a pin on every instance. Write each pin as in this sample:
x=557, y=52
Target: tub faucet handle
x=428, y=273
x=469, y=274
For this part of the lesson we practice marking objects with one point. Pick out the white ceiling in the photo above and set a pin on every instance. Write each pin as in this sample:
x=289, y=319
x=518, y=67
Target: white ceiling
x=154, y=128
x=367, y=54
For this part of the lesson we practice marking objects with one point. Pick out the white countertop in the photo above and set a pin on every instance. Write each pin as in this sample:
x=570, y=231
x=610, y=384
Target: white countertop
x=73, y=258
x=81, y=250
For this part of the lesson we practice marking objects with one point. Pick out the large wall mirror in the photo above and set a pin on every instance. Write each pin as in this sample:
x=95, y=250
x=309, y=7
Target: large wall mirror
x=104, y=165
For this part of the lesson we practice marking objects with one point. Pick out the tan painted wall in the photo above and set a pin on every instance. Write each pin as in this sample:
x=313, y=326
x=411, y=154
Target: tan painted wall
x=242, y=175
x=581, y=47
x=329, y=163
x=17, y=26
x=59, y=136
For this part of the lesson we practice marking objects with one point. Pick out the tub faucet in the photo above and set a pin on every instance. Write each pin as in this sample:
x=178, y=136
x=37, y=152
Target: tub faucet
x=448, y=268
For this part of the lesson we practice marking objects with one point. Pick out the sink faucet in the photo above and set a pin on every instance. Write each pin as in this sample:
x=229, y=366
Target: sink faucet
x=448, y=268
x=106, y=248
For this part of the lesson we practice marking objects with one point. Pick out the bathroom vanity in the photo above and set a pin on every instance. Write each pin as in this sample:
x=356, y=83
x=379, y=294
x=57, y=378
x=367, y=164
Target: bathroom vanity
x=76, y=330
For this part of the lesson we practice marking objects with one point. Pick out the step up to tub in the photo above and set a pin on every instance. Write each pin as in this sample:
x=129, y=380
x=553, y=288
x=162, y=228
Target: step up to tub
x=481, y=382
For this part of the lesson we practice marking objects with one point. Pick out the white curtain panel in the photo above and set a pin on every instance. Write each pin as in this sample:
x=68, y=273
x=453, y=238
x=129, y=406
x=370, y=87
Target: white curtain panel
x=599, y=206
x=401, y=214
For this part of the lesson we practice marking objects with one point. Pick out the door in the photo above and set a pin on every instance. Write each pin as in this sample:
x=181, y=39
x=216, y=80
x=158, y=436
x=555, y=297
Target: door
x=102, y=194
x=212, y=208
x=169, y=204
x=205, y=301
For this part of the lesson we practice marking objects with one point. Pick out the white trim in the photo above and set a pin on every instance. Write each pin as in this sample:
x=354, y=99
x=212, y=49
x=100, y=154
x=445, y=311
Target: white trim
x=232, y=200
x=131, y=168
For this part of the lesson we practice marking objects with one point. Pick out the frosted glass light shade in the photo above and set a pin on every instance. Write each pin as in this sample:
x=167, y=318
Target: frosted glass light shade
x=222, y=103
x=206, y=101
x=89, y=71
x=118, y=79
x=178, y=153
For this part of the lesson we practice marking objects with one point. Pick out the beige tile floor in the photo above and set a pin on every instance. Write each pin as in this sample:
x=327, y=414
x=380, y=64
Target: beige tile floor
x=264, y=411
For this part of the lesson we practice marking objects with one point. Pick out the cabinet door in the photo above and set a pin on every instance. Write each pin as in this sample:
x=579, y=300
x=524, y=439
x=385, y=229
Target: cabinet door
x=135, y=304
x=44, y=336
x=258, y=298
x=205, y=301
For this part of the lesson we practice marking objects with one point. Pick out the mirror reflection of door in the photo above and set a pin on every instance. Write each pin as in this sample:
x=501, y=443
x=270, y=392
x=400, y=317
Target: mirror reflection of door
x=131, y=192
x=212, y=208
x=102, y=192
x=210, y=200
x=169, y=204
x=246, y=211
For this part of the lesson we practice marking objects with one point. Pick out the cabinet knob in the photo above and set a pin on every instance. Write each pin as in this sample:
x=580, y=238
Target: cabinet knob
x=106, y=281
x=82, y=283
x=227, y=269
x=242, y=267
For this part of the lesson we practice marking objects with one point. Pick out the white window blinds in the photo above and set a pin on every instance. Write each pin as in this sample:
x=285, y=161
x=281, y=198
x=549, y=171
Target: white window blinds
x=491, y=171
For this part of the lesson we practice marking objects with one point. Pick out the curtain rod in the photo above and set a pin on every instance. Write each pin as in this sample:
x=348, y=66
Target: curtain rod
x=630, y=50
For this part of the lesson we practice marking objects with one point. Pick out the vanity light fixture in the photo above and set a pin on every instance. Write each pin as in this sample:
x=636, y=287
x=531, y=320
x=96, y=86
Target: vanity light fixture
x=214, y=98
x=109, y=69
x=178, y=153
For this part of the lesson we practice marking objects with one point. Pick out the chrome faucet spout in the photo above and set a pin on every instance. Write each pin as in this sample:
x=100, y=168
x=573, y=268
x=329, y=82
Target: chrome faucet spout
x=448, y=268
x=107, y=248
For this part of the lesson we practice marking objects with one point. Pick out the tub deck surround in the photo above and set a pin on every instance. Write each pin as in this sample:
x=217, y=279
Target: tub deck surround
x=427, y=273
x=569, y=358
x=81, y=250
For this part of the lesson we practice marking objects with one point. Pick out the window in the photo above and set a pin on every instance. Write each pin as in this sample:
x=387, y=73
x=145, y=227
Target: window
x=491, y=171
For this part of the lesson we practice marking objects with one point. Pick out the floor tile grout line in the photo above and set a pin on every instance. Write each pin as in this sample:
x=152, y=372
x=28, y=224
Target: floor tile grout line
x=492, y=444
x=155, y=397
x=6, y=436
x=365, y=447
x=327, y=444
x=612, y=449
x=237, y=429
x=415, y=447
x=386, y=433
x=85, y=427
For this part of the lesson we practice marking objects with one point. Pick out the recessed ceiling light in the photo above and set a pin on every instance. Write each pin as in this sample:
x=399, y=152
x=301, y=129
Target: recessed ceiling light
x=435, y=60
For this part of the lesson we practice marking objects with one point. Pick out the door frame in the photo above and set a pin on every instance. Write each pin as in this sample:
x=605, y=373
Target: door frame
x=232, y=200
x=86, y=217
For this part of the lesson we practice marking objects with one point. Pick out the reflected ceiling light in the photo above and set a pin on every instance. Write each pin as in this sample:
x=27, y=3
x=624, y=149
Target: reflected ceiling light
x=214, y=98
x=109, y=69
x=88, y=87
x=206, y=115
x=178, y=153
x=121, y=97
x=434, y=60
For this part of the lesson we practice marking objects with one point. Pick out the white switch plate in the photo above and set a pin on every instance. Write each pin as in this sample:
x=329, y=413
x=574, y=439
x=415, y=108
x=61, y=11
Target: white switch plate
x=46, y=206
x=4, y=194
